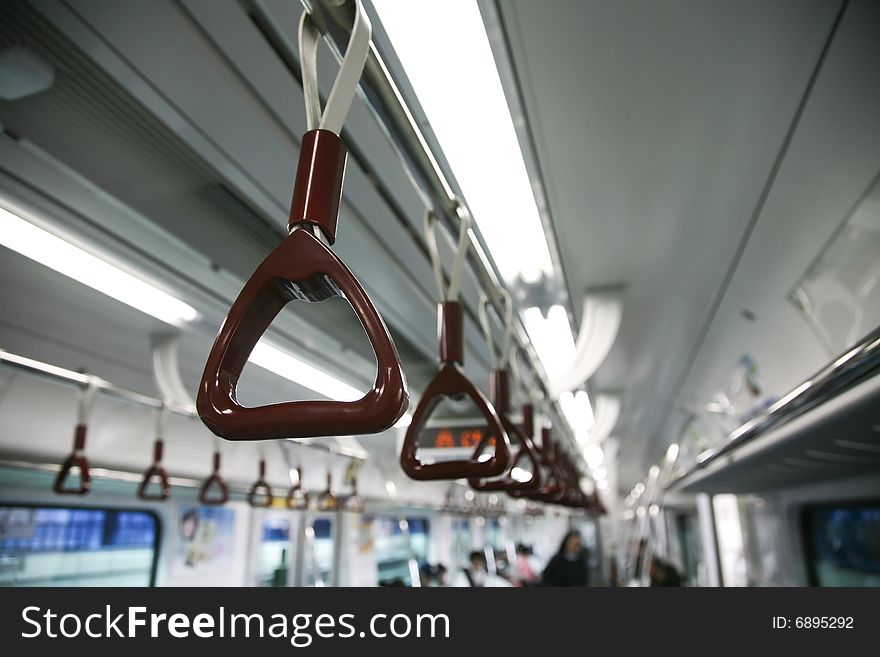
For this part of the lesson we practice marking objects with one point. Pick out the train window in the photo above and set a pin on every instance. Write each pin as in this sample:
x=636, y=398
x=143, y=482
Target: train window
x=319, y=551
x=75, y=546
x=843, y=544
x=401, y=548
x=275, y=550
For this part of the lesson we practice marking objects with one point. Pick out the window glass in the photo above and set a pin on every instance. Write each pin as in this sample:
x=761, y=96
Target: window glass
x=843, y=544
x=275, y=550
x=68, y=546
x=319, y=552
x=401, y=546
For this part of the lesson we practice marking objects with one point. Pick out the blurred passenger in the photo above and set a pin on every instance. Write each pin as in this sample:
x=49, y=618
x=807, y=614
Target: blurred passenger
x=441, y=575
x=475, y=573
x=664, y=573
x=525, y=573
x=568, y=567
x=433, y=575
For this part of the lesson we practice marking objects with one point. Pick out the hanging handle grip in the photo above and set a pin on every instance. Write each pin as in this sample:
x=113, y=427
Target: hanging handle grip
x=451, y=383
x=261, y=488
x=155, y=471
x=85, y=401
x=76, y=460
x=214, y=480
x=298, y=496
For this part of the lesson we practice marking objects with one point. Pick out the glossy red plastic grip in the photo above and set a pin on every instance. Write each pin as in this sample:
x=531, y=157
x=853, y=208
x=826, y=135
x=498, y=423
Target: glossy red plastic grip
x=261, y=488
x=528, y=420
x=450, y=328
x=76, y=460
x=214, y=479
x=318, y=187
x=302, y=267
x=451, y=383
x=155, y=471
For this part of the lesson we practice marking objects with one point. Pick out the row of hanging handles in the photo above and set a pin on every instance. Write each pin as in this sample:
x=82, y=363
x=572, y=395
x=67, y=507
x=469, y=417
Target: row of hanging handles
x=214, y=490
x=304, y=267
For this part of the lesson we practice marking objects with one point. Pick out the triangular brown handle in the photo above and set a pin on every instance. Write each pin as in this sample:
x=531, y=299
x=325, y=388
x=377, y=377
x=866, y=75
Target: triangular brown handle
x=158, y=472
x=500, y=389
x=261, y=487
x=526, y=451
x=451, y=383
x=301, y=267
x=76, y=460
x=552, y=481
x=214, y=479
x=298, y=496
x=327, y=501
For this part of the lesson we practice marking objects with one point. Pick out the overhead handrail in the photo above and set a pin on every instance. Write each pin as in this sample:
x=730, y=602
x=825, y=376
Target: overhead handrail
x=156, y=470
x=450, y=381
x=500, y=395
x=77, y=459
x=327, y=501
x=297, y=495
x=261, y=489
x=215, y=479
x=304, y=267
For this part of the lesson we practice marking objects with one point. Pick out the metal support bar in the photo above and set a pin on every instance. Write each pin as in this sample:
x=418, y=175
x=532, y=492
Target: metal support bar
x=334, y=19
x=69, y=377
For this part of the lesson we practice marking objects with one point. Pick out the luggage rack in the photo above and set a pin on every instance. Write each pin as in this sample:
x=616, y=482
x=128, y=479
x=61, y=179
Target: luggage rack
x=815, y=431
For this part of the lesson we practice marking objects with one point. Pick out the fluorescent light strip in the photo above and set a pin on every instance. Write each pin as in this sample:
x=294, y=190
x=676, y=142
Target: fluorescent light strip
x=444, y=49
x=299, y=371
x=552, y=339
x=65, y=258
x=293, y=369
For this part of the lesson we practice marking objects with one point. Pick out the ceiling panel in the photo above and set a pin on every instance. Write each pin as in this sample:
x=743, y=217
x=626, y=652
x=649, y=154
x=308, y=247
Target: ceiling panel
x=657, y=125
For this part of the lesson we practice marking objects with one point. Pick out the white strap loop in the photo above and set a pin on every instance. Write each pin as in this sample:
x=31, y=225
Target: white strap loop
x=162, y=414
x=86, y=400
x=345, y=85
x=502, y=356
x=457, y=270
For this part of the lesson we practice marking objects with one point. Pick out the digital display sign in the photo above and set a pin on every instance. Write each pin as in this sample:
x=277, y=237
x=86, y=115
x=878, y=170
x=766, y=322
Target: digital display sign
x=451, y=437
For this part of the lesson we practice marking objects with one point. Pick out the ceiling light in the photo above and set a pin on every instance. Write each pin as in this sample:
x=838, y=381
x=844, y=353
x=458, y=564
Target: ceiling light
x=391, y=488
x=602, y=484
x=458, y=87
x=606, y=415
x=600, y=321
x=672, y=454
x=552, y=339
x=600, y=473
x=65, y=258
x=579, y=414
x=593, y=455
x=293, y=369
x=520, y=474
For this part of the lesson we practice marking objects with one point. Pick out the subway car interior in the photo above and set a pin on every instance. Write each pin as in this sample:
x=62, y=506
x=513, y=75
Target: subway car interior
x=561, y=293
